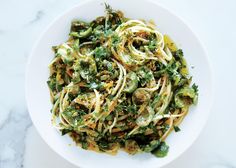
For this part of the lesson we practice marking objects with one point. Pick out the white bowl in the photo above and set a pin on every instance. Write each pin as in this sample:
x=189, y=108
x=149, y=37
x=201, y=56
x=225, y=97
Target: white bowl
x=37, y=93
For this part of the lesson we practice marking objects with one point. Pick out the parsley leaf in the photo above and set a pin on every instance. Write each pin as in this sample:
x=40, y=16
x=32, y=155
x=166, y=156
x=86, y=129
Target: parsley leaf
x=145, y=75
x=152, y=45
x=195, y=88
x=132, y=109
x=101, y=53
x=177, y=129
x=179, y=54
x=65, y=131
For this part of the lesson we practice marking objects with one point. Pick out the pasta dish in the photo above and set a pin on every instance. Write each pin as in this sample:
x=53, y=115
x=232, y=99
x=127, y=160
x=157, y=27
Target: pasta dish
x=119, y=83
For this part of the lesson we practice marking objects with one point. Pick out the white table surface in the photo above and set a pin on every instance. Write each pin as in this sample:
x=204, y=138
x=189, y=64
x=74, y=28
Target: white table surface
x=21, y=22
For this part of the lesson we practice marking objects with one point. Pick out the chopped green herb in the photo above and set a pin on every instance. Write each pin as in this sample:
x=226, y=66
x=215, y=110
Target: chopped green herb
x=101, y=53
x=65, y=131
x=177, y=129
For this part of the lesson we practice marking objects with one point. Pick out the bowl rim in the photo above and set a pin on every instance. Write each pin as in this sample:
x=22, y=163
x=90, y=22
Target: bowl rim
x=79, y=4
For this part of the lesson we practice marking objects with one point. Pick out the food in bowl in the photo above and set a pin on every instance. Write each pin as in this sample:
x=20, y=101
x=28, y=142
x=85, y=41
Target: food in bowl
x=119, y=83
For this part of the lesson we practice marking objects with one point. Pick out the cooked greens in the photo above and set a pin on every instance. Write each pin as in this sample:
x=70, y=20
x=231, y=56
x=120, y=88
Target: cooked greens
x=118, y=83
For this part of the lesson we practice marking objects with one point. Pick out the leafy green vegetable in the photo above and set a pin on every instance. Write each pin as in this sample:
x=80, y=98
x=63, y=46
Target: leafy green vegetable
x=179, y=54
x=152, y=45
x=52, y=84
x=84, y=144
x=65, y=131
x=101, y=53
x=115, y=39
x=165, y=127
x=86, y=66
x=132, y=109
x=177, y=129
x=73, y=115
x=103, y=145
x=110, y=117
x=145, y=75
x=195, y=88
